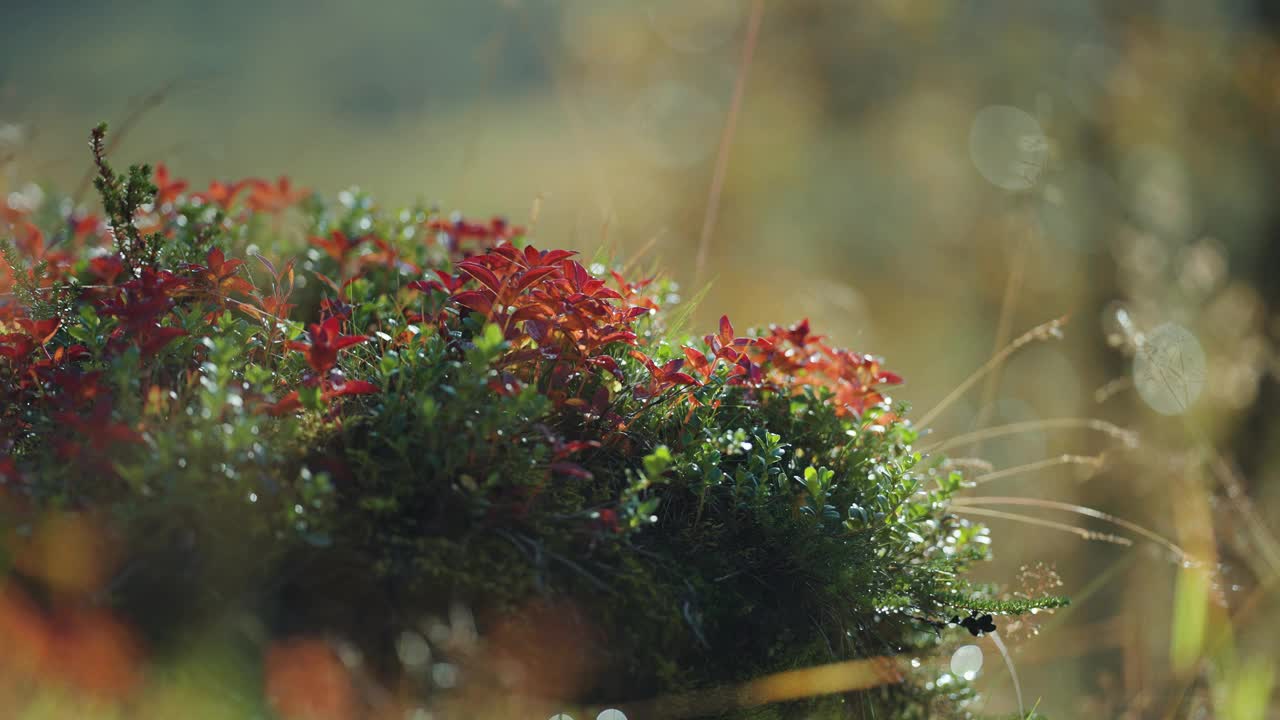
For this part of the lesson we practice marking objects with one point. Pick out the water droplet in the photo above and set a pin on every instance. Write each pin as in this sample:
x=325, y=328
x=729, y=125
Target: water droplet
x=444, y=675
x=1008, y=147
x=349, y=654
x=412, y=649
x=966, y=662
x=1169, y=369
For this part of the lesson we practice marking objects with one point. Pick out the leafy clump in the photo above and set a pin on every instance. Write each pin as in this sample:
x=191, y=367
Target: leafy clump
x=414, y=414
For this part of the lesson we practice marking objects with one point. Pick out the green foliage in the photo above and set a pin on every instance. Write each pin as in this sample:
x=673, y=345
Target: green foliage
x=123, y=196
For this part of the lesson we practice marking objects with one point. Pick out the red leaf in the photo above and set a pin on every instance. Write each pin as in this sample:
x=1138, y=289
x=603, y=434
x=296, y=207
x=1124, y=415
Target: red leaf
x=625, y=336
x=646, y=361
x=450, y=282
x=570, y=469
x=287, y=404
x=153, y=340
x=475, y=300
x=575, y=446
x=215, y=259
x=352, y=387
x=325, y=279
x=482, y=274
x=107, y=268
x=238, y=284
x=16, y=346
x=600, y=291
x=41, y=330
x=425, y=285
x=347, y=341
x=533, y=275
x=696, y=358
x=608, y=363
x=672, y=366
x=681, y=378
x=726, y=330
x=167, y=190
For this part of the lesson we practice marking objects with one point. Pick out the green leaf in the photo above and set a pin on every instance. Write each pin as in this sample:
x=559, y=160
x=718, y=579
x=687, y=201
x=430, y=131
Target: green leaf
x=490, y=340
x=1190, y=616
x=310, y=397
x=657, y=462
x=389, y=363
x=429, y=408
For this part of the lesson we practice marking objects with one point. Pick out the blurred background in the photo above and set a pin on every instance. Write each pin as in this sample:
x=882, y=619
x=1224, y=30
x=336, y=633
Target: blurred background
x=925, y=180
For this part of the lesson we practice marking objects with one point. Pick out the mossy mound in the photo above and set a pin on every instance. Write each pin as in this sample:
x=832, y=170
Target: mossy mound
x=474, y=426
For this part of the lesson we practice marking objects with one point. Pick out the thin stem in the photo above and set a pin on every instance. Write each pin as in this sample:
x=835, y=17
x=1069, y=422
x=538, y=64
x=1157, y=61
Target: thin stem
x=726, y=139
x=1128, y=437
x=1082, y=533
x=1046, y=331
x=1004, y=328
x=1013, y=673
x=1094, y=461
x=1154, y=537
x=966, y=462
x=1266, y=542
x=1112, y=388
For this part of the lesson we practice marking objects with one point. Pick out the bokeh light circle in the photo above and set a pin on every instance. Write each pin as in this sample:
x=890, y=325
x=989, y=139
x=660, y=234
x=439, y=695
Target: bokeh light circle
x=412, y=649
x=1169, y=369
x=1008, y=147
x=966, y=661
x=611, y=714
